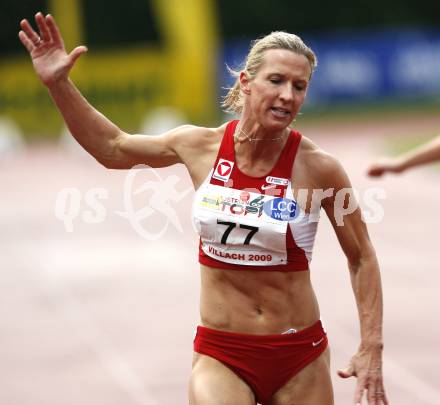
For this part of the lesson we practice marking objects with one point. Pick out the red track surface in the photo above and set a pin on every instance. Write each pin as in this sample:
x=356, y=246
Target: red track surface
x=102, y=316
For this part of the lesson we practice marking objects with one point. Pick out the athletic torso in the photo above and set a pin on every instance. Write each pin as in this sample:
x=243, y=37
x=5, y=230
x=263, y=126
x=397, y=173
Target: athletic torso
x=249, y=301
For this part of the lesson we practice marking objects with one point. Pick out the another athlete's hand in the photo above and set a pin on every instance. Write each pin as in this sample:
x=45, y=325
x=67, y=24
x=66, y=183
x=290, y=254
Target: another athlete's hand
x=51, y=61
x=383, y=166
x=366, y=365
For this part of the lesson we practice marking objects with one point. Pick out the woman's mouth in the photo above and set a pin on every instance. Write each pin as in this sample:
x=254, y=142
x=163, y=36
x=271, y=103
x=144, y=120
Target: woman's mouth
x=280, y=112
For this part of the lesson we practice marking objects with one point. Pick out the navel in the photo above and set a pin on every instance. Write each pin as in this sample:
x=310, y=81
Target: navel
x=258, y=310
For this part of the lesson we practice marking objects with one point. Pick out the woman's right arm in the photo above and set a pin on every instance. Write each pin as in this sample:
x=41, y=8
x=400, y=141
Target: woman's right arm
x=108, y=144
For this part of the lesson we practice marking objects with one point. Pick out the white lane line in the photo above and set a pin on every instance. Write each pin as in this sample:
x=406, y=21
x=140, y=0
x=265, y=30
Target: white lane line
x=394, y=372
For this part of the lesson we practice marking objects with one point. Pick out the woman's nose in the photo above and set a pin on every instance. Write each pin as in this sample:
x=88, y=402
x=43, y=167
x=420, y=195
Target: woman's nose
x=287, y=93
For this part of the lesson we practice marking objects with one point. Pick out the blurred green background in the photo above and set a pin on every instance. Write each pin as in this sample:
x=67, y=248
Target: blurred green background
x=148, y=54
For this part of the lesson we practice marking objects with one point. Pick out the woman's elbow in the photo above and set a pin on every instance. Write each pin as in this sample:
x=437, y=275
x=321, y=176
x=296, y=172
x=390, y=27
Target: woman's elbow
x=112, y=163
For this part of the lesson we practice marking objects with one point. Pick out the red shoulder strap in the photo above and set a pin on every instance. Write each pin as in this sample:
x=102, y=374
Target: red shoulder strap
x=226, y=150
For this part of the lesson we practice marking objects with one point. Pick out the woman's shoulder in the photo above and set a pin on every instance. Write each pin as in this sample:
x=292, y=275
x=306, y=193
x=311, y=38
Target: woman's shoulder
x=192, y=134
x=322, y=166
x=314, y=156
x=195, y=143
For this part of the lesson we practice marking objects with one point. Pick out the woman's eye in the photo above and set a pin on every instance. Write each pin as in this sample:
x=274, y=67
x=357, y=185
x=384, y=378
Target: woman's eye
x=300, y=86
x=275, y=81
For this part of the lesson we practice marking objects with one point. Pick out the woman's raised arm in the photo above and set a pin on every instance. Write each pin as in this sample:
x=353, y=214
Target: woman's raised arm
x=95, y=133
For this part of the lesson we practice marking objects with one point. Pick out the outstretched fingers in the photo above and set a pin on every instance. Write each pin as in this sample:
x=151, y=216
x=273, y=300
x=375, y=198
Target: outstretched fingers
x=376, y=392
x=42, y=26
x=29, y=32
x=377, y=398
x=28, y=44
x=372, y=388
x=359, y=392
x=54, y=31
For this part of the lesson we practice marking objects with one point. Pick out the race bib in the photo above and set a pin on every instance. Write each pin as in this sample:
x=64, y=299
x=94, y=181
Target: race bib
x=243, y=227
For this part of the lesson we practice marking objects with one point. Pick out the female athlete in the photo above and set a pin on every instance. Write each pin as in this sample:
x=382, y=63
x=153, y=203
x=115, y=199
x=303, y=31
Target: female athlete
x=259, y=189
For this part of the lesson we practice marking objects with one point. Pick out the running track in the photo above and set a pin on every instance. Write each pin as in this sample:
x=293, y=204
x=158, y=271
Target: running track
x=101, y=316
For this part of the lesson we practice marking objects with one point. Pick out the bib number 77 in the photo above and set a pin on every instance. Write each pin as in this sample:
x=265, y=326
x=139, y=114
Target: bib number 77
x=231, y=225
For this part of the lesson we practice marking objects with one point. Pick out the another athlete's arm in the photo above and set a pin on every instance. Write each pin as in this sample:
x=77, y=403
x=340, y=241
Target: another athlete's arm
x=427, y=153
x=108, y=144
x=345, y=216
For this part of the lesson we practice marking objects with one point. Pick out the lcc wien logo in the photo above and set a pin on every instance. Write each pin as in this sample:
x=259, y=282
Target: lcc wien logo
x=223, y=170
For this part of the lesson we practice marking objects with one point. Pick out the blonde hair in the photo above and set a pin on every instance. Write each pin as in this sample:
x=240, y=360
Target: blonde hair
x=233, y=102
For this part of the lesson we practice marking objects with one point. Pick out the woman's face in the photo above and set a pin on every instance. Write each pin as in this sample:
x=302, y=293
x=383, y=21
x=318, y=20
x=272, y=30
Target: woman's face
x=275, y=95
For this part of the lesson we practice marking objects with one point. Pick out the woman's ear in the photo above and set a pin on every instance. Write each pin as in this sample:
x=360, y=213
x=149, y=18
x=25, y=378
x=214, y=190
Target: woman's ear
x=244, y=83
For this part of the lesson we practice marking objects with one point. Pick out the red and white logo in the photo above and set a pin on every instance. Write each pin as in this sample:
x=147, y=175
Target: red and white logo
x=279, y=181
x=223, y=170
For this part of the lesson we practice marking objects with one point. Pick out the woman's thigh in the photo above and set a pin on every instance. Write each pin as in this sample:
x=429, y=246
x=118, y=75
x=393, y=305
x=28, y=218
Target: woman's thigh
x=212, y=383
x=312, y=385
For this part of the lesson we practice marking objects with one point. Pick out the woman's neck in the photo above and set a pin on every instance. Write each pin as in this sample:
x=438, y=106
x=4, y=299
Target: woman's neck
x=253, y=143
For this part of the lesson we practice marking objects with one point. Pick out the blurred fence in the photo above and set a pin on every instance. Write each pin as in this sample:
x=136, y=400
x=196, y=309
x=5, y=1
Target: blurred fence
x=172, y=57
x=367, y=66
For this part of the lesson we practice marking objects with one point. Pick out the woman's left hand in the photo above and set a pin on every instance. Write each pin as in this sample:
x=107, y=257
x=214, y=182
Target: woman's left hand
x=366, y=365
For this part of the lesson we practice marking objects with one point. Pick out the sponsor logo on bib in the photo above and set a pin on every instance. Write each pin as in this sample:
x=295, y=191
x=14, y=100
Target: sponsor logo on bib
x=279, y=181
x=223, y=170
x=281, y=209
